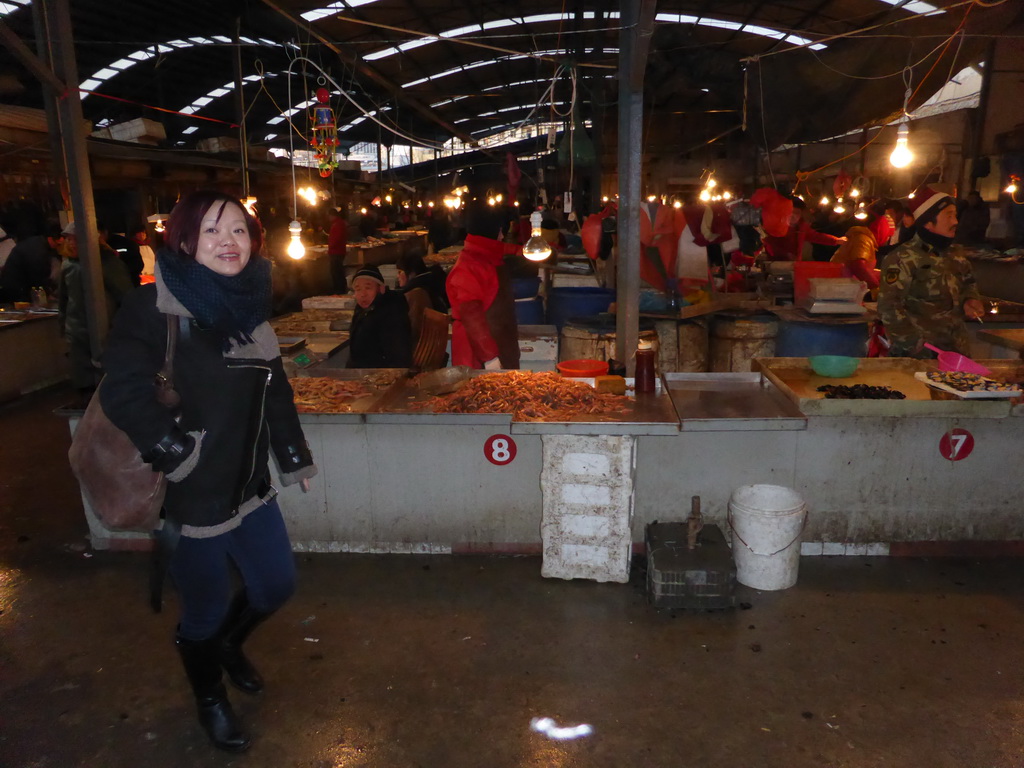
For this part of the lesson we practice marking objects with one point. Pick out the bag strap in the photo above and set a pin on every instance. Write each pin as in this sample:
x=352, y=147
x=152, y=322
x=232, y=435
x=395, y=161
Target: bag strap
x=166, y=374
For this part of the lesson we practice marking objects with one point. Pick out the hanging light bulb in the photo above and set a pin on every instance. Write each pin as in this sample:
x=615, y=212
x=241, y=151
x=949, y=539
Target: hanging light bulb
x=1011, y=188
x=824, y=201
x=861, y=213
x=296, y=249
x=677, y=204
x=854, y=192
x=705, y=196
x=536, y=248
x=157, y=220
x=651, y=198
x=901, y=156
x=839, y=208
x=727, y=195
x=712, y=183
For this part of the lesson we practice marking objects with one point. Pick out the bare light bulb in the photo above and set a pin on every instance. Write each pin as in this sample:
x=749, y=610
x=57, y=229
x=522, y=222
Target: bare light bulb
x=1011, y=188
x=727, y=195
x=536, y=248
x=824, y=201
x=296, y=249
x=705, y=196
x=901, y=156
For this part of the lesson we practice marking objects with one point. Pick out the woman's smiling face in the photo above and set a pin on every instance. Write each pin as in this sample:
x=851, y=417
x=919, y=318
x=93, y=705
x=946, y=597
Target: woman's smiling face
x=224, y=245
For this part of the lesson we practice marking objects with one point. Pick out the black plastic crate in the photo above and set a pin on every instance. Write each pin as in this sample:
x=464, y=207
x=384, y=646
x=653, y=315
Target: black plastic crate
x=701, y=579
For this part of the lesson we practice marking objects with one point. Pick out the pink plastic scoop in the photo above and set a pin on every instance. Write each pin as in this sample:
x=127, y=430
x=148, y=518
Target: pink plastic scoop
x=954, y=361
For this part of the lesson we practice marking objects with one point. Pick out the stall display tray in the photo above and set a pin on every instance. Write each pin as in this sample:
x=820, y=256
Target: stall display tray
x=969, y=394
x=358, y=390
x=289, y=344
x=794, y=378
x=646, y=414
x=731, y=402
x=312, y=321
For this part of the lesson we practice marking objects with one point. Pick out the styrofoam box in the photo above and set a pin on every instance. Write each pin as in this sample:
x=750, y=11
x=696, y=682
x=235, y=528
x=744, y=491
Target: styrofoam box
x=836, y=288
x=329, y=302
x=538, y=347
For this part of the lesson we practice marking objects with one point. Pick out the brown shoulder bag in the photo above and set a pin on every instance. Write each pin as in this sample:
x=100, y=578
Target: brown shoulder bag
x=123, y=490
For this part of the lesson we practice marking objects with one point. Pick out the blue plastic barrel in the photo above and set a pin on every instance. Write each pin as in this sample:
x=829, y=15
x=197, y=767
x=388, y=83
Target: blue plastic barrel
x=564, y=303
x=530, y=311
x=525, y=287
x=806, y=339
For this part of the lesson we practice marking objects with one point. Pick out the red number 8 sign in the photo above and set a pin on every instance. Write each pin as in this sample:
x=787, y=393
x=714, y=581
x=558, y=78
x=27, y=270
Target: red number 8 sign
x=500, y=449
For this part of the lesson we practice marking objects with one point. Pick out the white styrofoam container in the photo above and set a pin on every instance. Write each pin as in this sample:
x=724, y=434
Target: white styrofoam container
x=329, y=302
x=836, y=288
x=538, y=347
x=139, y=128
x=587, y=487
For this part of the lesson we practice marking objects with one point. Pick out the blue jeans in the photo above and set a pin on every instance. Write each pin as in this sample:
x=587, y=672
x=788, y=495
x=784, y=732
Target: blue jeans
x=201, y=571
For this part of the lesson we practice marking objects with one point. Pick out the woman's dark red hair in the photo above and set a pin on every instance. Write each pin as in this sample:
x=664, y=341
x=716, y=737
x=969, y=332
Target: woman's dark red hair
x=186, y=221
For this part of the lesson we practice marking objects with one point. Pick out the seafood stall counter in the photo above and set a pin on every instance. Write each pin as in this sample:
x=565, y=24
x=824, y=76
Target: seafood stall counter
x=454, y=461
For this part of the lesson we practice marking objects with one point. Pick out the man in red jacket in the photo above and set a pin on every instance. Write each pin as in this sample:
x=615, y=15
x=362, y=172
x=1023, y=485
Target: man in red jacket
x=790, y=246
x=484, y=330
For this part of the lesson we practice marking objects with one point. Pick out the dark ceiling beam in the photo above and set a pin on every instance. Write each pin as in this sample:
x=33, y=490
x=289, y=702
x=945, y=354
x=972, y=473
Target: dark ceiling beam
x=10, y=40
x=392, y=87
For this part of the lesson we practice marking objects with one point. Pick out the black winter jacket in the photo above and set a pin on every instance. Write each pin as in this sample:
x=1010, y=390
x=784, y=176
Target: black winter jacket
x=381, y=336
x=239, y=408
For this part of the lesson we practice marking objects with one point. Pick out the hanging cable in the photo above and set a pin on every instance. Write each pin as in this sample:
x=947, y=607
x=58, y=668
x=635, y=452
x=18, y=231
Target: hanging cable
x=332, y=81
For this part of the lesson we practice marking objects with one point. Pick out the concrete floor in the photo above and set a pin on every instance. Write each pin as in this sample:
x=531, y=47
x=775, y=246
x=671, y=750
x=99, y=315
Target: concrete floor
x=441, y=662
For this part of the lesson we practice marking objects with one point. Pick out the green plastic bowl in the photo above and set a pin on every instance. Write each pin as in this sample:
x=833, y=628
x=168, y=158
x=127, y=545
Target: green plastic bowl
x=834, y=366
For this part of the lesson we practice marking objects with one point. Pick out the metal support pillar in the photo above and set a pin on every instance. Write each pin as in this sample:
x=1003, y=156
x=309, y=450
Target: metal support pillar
x=637, y=18
x=57, y=19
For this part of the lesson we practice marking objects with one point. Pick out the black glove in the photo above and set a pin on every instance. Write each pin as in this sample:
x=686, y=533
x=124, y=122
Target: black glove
x=170, y=452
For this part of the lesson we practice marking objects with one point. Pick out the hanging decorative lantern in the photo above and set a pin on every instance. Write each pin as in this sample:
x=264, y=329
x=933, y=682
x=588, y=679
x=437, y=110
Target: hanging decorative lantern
x=325, y=134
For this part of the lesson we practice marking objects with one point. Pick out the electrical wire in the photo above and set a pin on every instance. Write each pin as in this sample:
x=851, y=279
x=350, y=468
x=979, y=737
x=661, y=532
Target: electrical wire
x=764, y=128
x=332, y=81
x=858, y=32
x=945, y=41
x=463, y=41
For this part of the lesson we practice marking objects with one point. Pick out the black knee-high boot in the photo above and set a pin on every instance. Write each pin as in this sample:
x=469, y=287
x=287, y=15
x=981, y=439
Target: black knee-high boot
x=201, y=659
x=240, y=622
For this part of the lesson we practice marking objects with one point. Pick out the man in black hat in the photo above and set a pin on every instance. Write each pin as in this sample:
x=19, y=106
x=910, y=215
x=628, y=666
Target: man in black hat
x=380, y=336
x=928, y=290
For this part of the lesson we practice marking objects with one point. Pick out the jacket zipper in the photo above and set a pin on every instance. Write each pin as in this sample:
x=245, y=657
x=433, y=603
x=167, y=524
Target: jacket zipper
x=256, y=442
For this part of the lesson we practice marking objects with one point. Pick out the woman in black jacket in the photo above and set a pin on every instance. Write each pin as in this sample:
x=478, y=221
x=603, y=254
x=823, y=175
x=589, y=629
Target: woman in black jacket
x=236, y=406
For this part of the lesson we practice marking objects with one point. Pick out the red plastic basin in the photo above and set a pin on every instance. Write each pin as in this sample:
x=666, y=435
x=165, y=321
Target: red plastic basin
x=582, y=368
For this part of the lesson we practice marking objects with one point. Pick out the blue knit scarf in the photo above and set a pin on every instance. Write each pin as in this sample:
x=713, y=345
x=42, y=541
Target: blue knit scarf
x=234, y=305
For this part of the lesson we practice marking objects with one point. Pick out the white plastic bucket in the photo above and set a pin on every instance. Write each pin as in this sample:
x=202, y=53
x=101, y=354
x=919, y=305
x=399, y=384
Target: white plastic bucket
x=766, y=522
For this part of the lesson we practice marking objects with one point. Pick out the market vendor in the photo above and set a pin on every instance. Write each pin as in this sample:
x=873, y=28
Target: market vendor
x=484, y=330
x=790, y=245
x=380, y=336
x=928, y=290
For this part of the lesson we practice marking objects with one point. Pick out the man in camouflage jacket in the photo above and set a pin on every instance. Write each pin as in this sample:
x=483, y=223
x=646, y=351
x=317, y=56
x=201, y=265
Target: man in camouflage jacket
x=928, y=291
